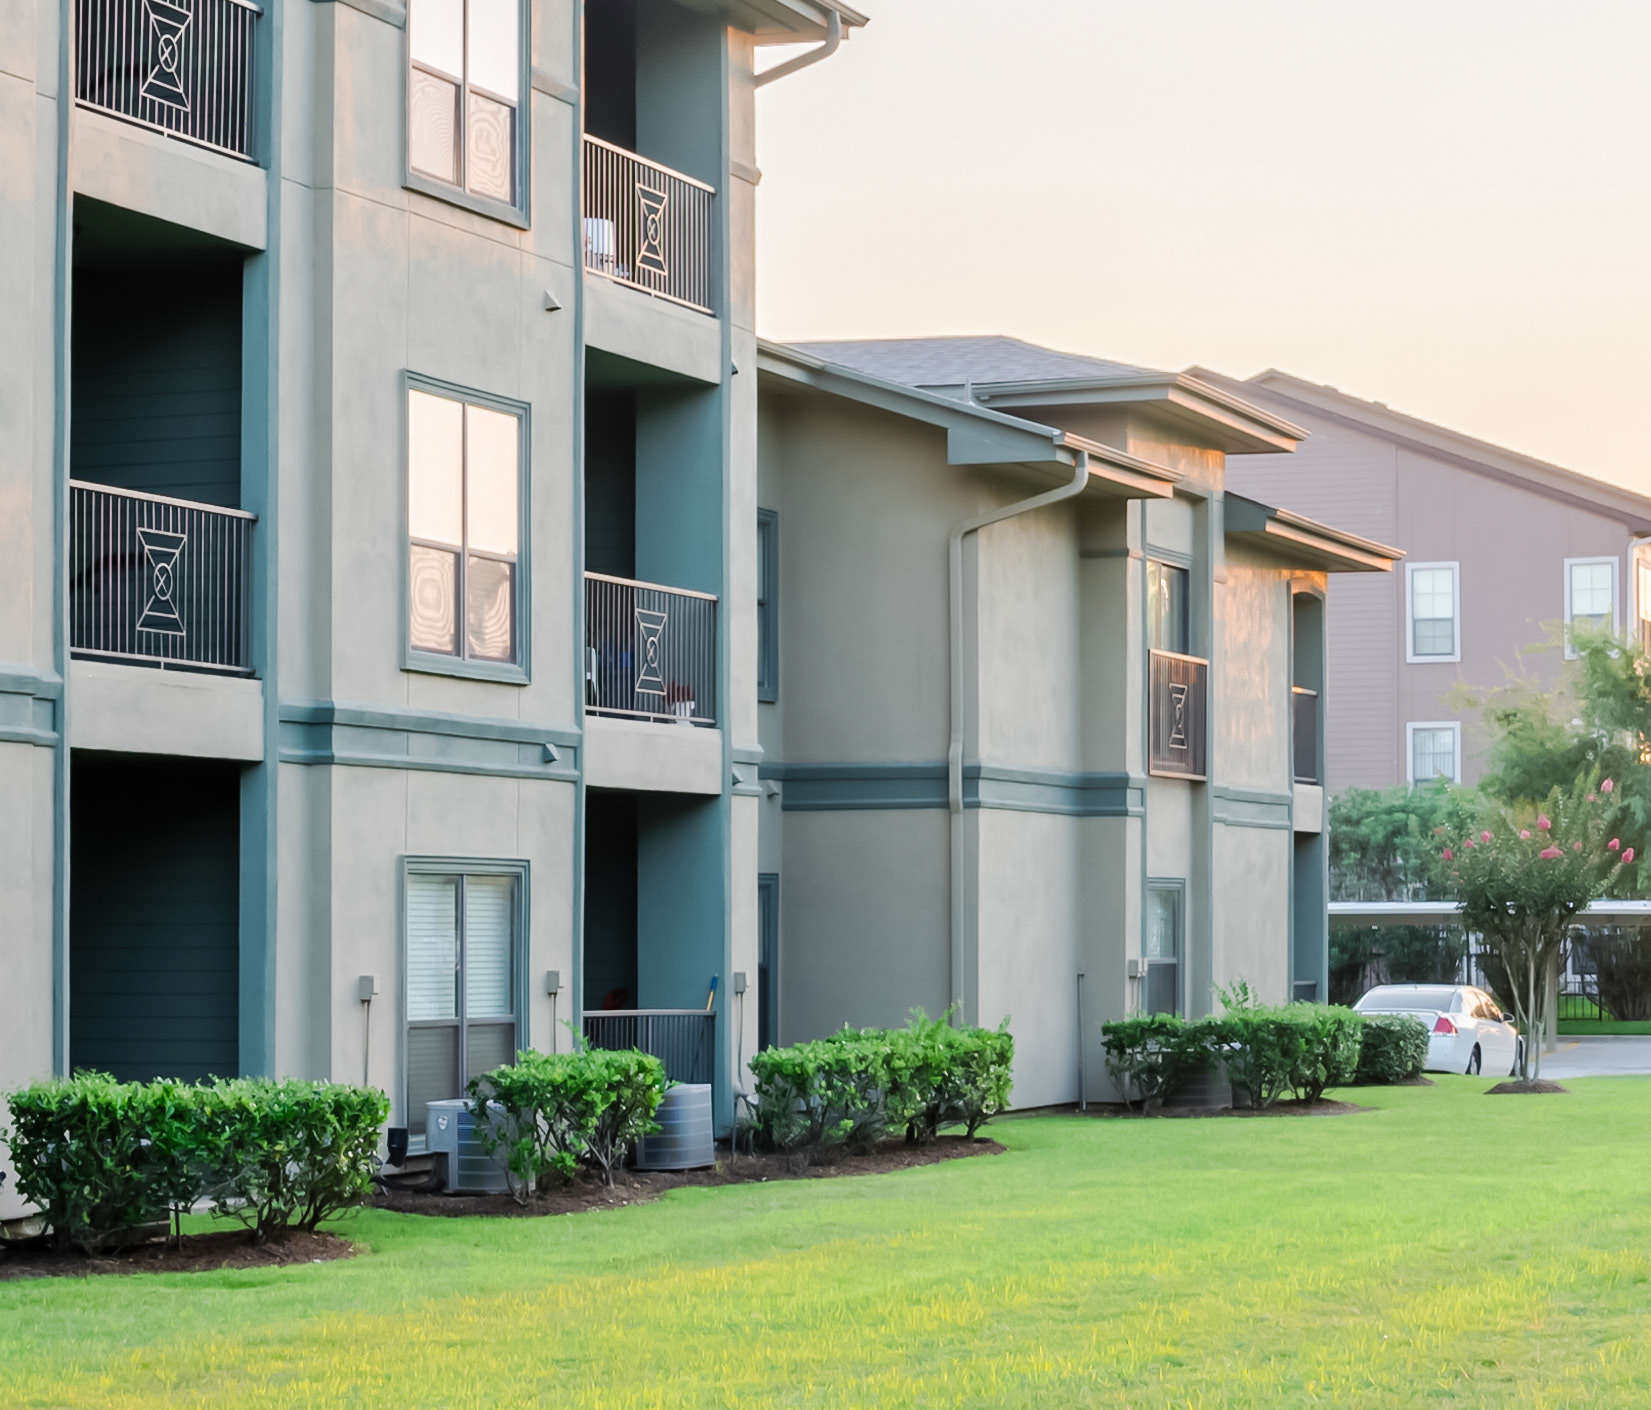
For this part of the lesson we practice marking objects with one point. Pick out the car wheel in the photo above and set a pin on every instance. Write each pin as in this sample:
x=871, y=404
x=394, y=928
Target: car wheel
x=1474, y=1061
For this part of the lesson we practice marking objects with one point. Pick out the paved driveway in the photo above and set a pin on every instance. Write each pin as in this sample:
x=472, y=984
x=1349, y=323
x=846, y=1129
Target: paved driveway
x=1598, y=1057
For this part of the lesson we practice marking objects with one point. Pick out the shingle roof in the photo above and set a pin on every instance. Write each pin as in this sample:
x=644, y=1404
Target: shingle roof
x=952, y=362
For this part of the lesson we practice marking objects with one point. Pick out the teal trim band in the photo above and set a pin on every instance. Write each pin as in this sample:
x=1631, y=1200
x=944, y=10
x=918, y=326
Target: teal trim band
x=324, y=733
x=875, y=786
x=1247, y=807
x=29, y=707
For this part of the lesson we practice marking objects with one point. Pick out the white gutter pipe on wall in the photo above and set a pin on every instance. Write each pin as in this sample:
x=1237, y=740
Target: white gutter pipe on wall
x=959, y=675
x=834, y=37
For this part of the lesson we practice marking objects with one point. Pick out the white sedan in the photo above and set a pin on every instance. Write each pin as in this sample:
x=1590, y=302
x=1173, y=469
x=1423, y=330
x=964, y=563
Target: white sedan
x=1466, y=1028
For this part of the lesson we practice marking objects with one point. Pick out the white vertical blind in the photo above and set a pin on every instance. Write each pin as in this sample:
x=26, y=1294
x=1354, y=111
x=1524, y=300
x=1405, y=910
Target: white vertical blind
x=489, y=904
x=432, y=947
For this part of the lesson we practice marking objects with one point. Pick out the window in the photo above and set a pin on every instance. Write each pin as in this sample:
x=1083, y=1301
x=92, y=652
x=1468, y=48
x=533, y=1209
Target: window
x=768, y=605
x=461, y=977
x=464, y=491
x=768, y=959
x=463, y=81
x=1168, y=628
x=1590, y=595
x=1161, y=947
x=1435, y=751
x=1434, y=612
x=1644, y=605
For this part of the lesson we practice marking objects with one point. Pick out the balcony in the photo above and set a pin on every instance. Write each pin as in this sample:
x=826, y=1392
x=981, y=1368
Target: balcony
x=159, y=581
x=650, y=652
x=1304, y=708
x=1177, y=691
x=646, y=226
x=182, y=67
x=683, y=1039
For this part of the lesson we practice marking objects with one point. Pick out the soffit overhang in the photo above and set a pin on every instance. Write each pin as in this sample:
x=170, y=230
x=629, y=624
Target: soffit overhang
x=1303, y=541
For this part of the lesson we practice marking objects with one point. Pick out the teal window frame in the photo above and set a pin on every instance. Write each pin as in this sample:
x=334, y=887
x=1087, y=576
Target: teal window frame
x=520, y=873
x=1177, y=887
x=768, y=606
x=517, y=672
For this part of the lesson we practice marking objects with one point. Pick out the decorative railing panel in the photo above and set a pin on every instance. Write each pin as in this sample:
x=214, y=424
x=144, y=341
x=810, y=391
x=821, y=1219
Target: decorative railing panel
x=182, y=67
x=646, y=225
x=1177, y=693
x=685, y=1040
x=158, y=580
x=650, y=651
x=1304, y=706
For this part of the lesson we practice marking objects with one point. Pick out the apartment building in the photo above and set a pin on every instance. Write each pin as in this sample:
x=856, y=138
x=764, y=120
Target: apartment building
x=1041, y=697
x=378, y=533
x=1504, y=552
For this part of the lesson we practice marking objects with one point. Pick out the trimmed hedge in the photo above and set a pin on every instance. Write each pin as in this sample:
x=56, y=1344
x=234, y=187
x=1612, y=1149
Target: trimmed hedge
x=850, y=1088
x=1299, y=1048
x=549, y=1112
x=1395, y=1049
x=101, y=1158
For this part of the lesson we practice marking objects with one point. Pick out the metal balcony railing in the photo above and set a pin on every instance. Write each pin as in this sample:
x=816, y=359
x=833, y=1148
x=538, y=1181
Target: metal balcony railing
x=646, y=225
x=158, y=580
x=182, y=67
x=1304, y=706
x=650, y=651
x=1176, y=692
x=685, y=1040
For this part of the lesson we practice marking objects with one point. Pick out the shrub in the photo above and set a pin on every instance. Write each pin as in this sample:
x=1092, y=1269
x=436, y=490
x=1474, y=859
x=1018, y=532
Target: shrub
x=550, y=1111
x=939, y=1075
x=81, y=1150
x=1265, y=1051
x=826, y=1092
x=1151, y=1054
x=1333, y=1039
x=289, y=1153
x=1394, y=1049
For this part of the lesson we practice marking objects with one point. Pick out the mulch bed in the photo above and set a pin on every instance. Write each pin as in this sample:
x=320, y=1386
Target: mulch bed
x=1287, y=1107
x=641, y=1186
x=200, y=1253
x=1524, y=1089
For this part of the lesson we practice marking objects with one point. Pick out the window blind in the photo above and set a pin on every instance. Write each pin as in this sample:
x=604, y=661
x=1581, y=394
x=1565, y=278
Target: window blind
x=489, y=903
x=432, y=947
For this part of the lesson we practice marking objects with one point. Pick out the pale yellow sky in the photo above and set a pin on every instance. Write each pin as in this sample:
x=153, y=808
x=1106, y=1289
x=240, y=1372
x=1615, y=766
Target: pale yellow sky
x=1439, y=204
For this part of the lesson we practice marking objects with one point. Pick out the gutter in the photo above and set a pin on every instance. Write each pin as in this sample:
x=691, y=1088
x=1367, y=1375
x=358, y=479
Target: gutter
x=954, y=749
x=834, y=37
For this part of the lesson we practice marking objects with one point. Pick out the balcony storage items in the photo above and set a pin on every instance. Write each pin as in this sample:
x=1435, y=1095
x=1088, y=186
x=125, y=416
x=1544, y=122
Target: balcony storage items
x=646, y=225
x=650, y=651
x=182, y=67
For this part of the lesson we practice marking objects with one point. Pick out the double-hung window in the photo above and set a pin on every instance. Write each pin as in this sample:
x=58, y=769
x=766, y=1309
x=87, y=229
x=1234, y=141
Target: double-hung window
x=1433, y=601
x=1161, y=947
x=463, y=88
x=464, y=525
x=1168, y=622
x=1590, y=595
x=768, y=605
x=1435, y=751
x=463, y=928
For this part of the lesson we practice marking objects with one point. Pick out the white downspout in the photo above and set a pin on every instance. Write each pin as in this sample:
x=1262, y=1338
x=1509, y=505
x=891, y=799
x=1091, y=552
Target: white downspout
x=834, y=37
x=959, y=674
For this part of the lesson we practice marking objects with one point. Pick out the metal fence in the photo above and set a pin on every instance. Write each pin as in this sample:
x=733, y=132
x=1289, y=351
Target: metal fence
x=1304, y=705
x=685, y=1040
x=1177, y=687
x=650, y=651
x=184, y=67
x=159, y=580
x=646, y=225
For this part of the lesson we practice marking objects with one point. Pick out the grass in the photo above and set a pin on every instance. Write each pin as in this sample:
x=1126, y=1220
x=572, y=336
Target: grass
x=1446, y=1249
x=1606, y=1027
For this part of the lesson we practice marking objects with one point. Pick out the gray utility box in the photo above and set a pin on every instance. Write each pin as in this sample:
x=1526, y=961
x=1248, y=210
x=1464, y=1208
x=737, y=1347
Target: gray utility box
x=466, y=1165
x=686, y=1139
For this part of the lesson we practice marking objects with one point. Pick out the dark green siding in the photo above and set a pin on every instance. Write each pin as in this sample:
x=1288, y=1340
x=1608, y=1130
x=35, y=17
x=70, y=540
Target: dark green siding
x=156, y=381
x=153, y=925
x=610, y=899
x=610, y=482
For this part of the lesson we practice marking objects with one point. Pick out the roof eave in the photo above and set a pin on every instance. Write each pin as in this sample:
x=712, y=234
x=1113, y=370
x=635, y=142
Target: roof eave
x=779, y=21
x=1299, y=539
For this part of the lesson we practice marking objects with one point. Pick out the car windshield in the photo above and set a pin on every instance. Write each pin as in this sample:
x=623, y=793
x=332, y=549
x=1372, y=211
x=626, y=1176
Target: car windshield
x=1425, y=996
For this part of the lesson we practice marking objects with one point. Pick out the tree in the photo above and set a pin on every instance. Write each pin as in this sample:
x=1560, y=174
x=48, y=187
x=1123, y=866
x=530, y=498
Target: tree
x=1381, y=841
x=1523, y=874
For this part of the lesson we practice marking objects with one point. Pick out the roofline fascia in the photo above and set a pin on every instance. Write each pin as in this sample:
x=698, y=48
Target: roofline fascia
x=1283, y=529
x=1508, y=466
x=812, y=18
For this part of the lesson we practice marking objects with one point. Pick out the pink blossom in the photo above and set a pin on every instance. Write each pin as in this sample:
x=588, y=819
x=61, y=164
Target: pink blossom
x=1614, y=845
x=1593, y=797
x=1524, y=834
x=1484, y=837
x=1628, y=856
x=1449, y=855
x=1576, y=846
x=1468, y=843
x=1607, y=786
x=1542, y=821
x=1550, y=852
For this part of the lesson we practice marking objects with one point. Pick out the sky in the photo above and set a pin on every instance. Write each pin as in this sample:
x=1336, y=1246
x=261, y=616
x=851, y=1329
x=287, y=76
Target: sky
x=1444, y=205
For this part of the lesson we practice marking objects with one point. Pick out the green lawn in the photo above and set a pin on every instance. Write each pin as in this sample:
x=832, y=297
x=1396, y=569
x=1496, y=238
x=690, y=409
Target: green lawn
x=1447, y=1249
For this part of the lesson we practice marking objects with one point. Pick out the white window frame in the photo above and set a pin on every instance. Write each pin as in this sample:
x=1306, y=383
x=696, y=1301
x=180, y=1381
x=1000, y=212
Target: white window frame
x=1454, y=726
x=1410, y=656
x=1616, y=596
